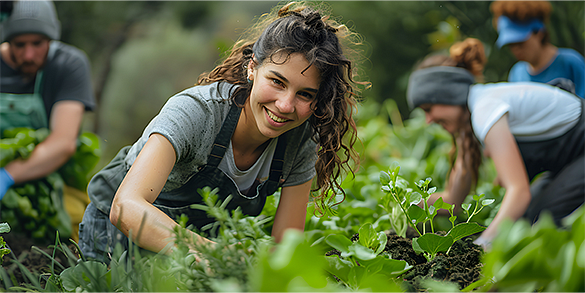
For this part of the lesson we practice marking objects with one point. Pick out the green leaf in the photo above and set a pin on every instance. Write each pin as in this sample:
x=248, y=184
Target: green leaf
x=486, y=202
x=416, y=214
x=389, y=267
x=464, y=230
x=4, y=228
x=339, y=242
x=384, y=178
x=367, y=235
x=415, y=198
x=433, y=243
x=359, y=251
x=338, y=267
x=466, y=206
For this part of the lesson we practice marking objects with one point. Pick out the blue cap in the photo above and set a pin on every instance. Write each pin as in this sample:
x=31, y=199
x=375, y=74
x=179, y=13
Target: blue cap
x=511, y=31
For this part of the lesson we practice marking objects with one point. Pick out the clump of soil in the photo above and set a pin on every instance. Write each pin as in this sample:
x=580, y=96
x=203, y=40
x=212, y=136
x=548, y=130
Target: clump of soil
x=461, y=266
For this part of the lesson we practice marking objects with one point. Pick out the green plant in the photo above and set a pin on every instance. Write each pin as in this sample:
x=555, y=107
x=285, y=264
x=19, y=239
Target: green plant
x=360, y=262
x=4, y=228
x=36, y=207
x=397, y=192
x=541, y=257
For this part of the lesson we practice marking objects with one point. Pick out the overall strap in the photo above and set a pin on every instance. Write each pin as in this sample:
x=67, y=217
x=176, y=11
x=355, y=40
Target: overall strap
x=38, y=81
x=278, y=159
x=222, y=140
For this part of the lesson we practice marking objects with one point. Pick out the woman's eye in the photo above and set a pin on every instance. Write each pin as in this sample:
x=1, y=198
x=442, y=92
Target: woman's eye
x=306, y=96
x=277, y=82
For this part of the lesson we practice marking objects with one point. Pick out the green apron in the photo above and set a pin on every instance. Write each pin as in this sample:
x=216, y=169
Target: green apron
x=23, y=110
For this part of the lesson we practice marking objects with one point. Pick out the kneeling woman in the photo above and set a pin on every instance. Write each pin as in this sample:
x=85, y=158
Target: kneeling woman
x=272, y=115
x=526, y=128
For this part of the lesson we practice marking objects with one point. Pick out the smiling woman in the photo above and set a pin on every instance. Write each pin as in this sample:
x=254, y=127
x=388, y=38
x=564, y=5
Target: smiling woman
x=272, y=115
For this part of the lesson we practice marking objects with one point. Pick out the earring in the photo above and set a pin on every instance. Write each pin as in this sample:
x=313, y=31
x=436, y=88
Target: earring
x=249, y=80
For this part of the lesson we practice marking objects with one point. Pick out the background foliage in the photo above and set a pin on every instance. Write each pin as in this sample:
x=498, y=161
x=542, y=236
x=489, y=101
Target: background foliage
x=143, y=52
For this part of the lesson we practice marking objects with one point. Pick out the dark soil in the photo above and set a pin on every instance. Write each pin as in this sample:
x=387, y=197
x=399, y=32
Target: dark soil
x=461, y=266
x=32, y=260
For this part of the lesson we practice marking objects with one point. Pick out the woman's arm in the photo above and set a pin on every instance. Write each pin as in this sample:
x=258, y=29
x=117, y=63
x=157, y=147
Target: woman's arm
x=503, y=150
x=132, y=208
x=292, y=209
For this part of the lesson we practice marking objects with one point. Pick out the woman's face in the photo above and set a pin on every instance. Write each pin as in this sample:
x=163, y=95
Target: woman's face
x=528, y=50
x=281, y=95
x=448, y=116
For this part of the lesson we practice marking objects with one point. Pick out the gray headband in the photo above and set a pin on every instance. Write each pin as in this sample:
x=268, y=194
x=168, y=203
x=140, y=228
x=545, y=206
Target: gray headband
x=439, y=85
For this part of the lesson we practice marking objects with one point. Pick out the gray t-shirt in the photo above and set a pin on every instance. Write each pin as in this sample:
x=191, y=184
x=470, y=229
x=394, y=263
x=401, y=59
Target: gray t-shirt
x=190, y=120
x=66, y=76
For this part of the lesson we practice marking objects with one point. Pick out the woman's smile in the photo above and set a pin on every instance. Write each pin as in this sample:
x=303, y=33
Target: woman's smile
x=281, y=95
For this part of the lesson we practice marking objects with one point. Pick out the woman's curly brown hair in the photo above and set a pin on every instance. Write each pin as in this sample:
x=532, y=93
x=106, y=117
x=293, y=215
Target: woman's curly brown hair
x=521, y=10
x=298, y=28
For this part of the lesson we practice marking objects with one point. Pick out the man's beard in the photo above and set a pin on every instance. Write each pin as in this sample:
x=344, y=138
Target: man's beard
x=27, y=69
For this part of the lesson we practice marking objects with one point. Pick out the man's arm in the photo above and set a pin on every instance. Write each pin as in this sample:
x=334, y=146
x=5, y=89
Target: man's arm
x=56, y=149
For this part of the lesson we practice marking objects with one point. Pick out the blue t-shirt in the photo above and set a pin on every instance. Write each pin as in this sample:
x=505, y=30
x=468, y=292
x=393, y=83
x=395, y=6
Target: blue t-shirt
x=568, y=64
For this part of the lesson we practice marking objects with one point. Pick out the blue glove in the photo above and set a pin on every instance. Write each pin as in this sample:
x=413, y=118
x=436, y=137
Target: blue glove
x=5, y=182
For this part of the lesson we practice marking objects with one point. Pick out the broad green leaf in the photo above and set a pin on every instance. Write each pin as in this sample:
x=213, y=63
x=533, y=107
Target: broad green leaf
x=416, y=213
x=416, y=247
x=433, y=243
x=339, y=242
x=356, y=274
x=338, y=267
x=367, y=235
x=359, y=251
x=464, y=230
x=389, y=267
x=415, y=198
x=382, y=240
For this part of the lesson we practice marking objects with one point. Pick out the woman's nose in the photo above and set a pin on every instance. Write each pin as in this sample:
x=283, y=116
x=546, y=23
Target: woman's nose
x=428, y=117
x=286, y=103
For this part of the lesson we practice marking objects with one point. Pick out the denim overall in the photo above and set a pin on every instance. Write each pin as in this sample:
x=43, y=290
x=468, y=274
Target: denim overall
x=98, y=236
x=178, y=201
x=23, y=110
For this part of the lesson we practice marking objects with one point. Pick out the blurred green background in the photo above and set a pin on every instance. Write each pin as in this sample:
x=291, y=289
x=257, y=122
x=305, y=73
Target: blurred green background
x=143, y=52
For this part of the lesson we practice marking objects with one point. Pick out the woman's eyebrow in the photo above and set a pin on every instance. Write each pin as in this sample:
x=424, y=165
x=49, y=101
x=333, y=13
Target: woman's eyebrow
x=286, y=80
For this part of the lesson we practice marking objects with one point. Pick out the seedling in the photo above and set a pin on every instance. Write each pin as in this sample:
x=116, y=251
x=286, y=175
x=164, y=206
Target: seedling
x=414, y=206
x=363, y=258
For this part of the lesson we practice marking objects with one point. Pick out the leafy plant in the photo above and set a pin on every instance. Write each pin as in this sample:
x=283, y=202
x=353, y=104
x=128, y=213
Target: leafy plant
x=36, y=207
x=542, y=258
x=397, y=192
x=359, y=262
x=4, y=228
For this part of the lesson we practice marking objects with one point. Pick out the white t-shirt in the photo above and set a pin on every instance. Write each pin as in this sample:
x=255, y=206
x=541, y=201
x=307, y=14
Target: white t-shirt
x=536, y=111
x=245, y=178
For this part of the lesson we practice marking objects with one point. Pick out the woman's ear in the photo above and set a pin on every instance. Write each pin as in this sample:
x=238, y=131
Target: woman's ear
x=251, y=68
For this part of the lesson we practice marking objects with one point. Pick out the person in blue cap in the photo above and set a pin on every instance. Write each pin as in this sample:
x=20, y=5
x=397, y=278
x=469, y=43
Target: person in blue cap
x=521, y=27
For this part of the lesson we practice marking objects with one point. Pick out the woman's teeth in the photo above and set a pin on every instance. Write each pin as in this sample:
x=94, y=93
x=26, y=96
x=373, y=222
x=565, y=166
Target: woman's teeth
x=275, y=118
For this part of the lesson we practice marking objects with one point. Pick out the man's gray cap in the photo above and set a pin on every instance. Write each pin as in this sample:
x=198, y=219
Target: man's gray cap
x=31, y=17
